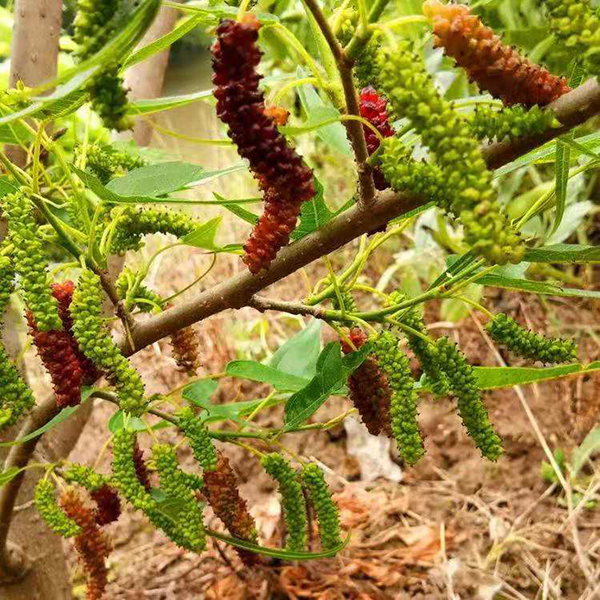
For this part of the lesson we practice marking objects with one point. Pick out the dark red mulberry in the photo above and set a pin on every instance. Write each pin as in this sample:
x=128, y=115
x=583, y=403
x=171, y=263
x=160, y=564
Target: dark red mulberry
x=108, y=505
x=286, y=181
x=141, y=468
x=91, y=544
x=373, y=108
x=493, y=66
x=221, y=491
x=67, y=366
x=369, y=389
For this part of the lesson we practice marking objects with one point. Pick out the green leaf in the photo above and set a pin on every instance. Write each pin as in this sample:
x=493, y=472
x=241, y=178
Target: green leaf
x=165, y=41
x=6, y=187
x=563, y=161
x=255, y=371
x=149, y=107
x=204, y=236
x=62, y=416
x=332, y=373
x=564, y=254
x=241, y=212
x=117, y=422
x=314, y=214
x=200, y=391
x=156, y=180
x=220, y=11
x=589, y=446
x=9, y=474
x=298, y=356
x=535, y=287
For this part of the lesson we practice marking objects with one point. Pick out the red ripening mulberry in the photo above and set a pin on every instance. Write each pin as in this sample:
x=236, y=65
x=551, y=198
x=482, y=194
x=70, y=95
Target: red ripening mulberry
x=67, y=366
x=221, y=491
x=108, y=505
x=91, y=544
x=492, y=65
x=141, y=469
x=373, y=108
x=185, y=345
x=283, y=176
x=368, y=388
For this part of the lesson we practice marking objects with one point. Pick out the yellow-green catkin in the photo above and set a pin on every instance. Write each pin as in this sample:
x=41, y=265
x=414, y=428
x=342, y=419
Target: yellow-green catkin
x=175, y=484
x=84, y=476
x=471, y=409
x=529, y=344
x=326, y=510
x=106, y=162
x=30, y=261
x=54, y=517
x=292, y=499
x=403, y=402
x=467, y=181
x=576, y=24
x=133, y=223
x=346, y=22
x=366, y=70
x=345, y=302
x=136, y=294
x=96, y=343
x=510, y=123
x=197, y=435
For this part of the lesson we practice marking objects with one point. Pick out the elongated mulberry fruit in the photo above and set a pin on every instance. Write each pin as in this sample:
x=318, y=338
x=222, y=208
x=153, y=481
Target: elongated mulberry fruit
x=105, y=162
x=292, y=499
x=529, y=344
x=221, y=491
x=185, y=345
x=30, y=261
x=347, y=304
x=467, y=182
x=202, y=447
x=404, y=399
x=470, y=405
x=92, y=546
x=136, y=294
x=368, y=388
x=96, y=343
x=373, y=108
x=174, y=483
x=286, y=181
x=50, y=511
x=511, y=123
x=326, y=510
x=493, y=66
x=141, y=468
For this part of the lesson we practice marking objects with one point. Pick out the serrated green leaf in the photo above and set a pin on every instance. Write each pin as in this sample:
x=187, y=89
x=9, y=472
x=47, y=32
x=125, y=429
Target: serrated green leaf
x=563, y=161
x=314, y=214
x=155, y=105
x=200, y=391
x=255, y=371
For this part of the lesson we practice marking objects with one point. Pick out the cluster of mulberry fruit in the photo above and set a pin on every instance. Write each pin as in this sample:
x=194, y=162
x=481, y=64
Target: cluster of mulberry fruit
x=67, y=366
x=472, y=411
x=577, y=25
x=48, y=508
x=105, y=162
x=135, y=294
x=202, y=447
x=345, y=302
x=467, y=181
x=346, y=22
x=529, y=344
x=91, y=544
x=404, y=399
x=96, y=343
x=368, y=388
x=373, y=108
x=282, y=175
x=325, y=508
x=30, y=261
x=292, y=499
x=221, y=491
x=185, y=346
x=511, y=123
x=493, y=66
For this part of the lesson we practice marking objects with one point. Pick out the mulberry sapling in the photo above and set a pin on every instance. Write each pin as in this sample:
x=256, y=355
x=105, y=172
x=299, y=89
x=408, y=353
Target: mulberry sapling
x=493, y=66
x=467, y=181
x=55, y=518
x=30, y=261
x=202, y=447
x=404, y=399
x=95, y=342
x=292, y=499
x=368, y=388
x=529, y=344
x=174, y=483
x=326, y=510
x=284, y=178
x=471, y=409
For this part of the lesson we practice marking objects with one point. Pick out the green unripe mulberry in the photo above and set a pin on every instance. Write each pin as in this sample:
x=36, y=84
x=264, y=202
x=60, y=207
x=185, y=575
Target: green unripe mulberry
x=292, y=499
x=326, y=509
x=470, y=405
x=96, y=343
x=529, y=344
x=510, y=123
x=134, y=223
x=174, y=483
x=30, y=262
x=466, y=180
x=404, y=399
x=366, y=69
x=105, y=162
x=85, y=477
x=202, y=447
x=55, y=518
x=141, y=297
x=346, y=21
x=7, y=276
x=347, y=304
